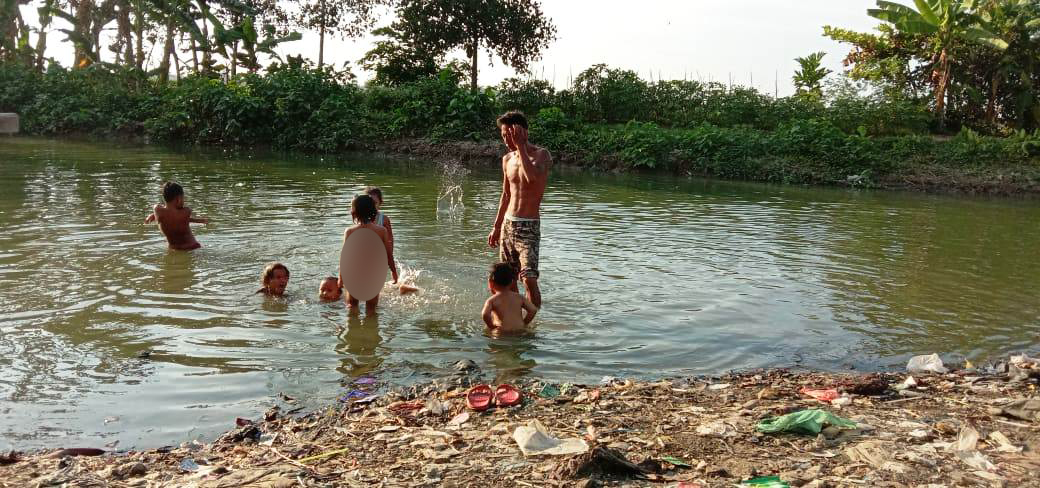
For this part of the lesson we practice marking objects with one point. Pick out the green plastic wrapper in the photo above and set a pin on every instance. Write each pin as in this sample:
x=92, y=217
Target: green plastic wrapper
x=766, y=482
x=803, y=422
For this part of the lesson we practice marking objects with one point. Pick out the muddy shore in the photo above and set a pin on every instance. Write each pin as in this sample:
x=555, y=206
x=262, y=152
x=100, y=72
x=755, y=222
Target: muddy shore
x=963, y=428
x=1021, y=181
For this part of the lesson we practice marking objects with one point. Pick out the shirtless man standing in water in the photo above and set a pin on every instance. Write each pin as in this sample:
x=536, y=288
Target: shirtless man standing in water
x=174, y=218
x=525, y=172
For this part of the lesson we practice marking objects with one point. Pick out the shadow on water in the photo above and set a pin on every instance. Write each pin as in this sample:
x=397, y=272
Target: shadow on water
x=359, y=344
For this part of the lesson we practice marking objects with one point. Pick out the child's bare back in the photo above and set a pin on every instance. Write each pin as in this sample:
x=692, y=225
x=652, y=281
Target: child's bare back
x=505, y=310
x=174, y=219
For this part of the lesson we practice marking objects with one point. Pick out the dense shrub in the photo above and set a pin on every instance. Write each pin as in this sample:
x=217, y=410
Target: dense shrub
x=609, y=117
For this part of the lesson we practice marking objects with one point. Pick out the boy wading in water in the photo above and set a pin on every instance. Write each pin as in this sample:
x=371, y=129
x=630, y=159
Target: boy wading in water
x=506, y=310
x=175, y=219
x=525, y=172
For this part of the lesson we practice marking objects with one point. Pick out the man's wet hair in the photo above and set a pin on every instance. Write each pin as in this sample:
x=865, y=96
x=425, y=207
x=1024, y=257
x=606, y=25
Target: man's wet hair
x=501, y=274
x=268, y=272
x=513, y=117
x=374, y=191
x=363, y=209
x=171, y=190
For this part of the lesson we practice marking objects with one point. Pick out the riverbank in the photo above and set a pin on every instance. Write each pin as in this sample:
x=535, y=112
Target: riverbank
x=701, y=130
x=1012, y=179
x=957, y=429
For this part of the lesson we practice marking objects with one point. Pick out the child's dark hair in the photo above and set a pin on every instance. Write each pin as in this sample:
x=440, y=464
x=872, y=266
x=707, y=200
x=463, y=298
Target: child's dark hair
x=375, y=192
x=513, y=117
x=269, y=270
x=333, y=279
x=171, y=190
x=501, y=274
x=363, y=209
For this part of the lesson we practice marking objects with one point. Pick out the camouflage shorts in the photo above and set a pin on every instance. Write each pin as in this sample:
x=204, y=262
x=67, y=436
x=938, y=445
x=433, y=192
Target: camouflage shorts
x=519, y=246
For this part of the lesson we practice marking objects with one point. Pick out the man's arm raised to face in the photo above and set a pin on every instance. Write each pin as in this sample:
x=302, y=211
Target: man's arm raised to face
x=529, y=164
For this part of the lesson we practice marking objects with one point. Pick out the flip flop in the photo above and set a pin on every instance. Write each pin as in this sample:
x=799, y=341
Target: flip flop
x=479, y=398
x=507, y=396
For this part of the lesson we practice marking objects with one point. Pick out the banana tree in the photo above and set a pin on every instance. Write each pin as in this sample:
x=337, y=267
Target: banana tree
x=945, y=22
x=14, y=32
x=252, y=44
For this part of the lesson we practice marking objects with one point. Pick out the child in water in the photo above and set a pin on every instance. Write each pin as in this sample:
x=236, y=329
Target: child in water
x=381, y=220
x=504, y=311
x=329, y=289
x=274, y=279
x=175, y=219
x=363, y=210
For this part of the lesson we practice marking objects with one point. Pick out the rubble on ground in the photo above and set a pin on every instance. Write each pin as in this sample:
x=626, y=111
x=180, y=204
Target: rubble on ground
x=962, y=428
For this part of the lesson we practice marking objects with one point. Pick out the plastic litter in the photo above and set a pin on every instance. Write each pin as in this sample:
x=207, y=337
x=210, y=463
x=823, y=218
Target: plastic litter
x=188, y=464
x=353, y=394
x=976, y=460
x=766, y=482
x=676, y=461
x=534, y=440
x=1002, y=442
x=1023, y=408
x=908, y=383
x=967, y=439
x=825, y=396
x=810, y=421
x=926, y=364
x=549, y=391
x=877, y=455
x=459, y=419
x=365, y=380
x=719, y=386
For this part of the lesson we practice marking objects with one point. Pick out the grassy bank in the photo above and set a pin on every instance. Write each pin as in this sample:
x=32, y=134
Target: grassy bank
x=674, y=126
x=962, y=429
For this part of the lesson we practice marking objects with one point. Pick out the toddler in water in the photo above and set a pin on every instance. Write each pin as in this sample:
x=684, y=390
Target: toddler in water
x=363, y=210
x=329, y=289
x=274, y=279
x=505, y=309
x=175, y=219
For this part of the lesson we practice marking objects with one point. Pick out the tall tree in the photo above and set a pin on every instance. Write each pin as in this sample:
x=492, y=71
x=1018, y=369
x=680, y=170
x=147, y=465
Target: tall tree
x=395, y=60
x=945, y=22
x=515, y=30
x=346, y=18
x=808, y=79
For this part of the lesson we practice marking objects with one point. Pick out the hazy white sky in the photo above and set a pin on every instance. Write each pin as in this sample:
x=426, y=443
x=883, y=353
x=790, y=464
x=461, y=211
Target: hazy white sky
x=698, y=39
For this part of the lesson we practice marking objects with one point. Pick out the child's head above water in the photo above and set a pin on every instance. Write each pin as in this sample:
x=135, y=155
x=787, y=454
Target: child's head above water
x=500, y=276
x=274, y=279
x=171, y=192
x=376, y=193
x=363, y=209
x=329, y=289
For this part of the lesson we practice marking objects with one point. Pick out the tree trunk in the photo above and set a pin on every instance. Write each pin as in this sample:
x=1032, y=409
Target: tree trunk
x=321, y=44
x=940, y=89
x=139, y=30
x=81, y=11
x=126, y=39
x=164, y=66
x=234, y=59
x=473, y=65
x=991, y=106
x=41, y=47
x=195, y=54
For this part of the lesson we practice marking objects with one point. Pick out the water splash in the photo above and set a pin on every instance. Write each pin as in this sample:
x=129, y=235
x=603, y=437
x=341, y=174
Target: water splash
x=449, y=196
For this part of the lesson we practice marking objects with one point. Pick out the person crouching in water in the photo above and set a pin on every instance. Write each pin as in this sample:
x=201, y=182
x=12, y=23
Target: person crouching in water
x=274, y=279
x=504, y=311
x=363, y=210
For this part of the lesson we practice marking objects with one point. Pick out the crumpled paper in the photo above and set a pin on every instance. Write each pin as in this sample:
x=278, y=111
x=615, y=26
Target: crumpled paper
x=534, y=440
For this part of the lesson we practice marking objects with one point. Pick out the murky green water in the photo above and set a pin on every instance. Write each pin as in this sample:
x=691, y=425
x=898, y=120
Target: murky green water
x=643, y=276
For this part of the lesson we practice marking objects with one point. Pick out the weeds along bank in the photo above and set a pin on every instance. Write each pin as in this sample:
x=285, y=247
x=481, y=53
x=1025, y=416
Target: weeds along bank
x=607, y=119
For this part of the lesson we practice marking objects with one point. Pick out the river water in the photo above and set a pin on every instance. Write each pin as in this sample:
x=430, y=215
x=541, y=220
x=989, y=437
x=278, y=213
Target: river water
x=643, y=276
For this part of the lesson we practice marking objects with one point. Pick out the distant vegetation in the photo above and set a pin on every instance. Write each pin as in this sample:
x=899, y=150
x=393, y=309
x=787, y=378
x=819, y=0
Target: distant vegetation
x=945, y=68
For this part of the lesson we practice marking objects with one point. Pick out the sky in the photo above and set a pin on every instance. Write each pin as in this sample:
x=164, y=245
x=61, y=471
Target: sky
x=751, y=42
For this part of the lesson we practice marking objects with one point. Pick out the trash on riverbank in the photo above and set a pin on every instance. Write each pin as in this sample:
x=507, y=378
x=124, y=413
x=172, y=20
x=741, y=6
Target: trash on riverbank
x=965, y=428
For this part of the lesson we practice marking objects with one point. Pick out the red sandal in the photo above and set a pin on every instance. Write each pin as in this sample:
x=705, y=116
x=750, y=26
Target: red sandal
x=507, y=396
x=479, y=398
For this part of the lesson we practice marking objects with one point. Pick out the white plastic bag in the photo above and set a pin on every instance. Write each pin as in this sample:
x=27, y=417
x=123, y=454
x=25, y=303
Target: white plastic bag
x=926, y=364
